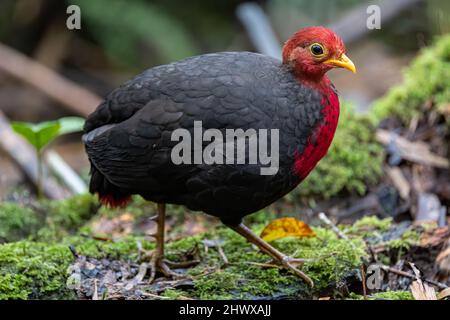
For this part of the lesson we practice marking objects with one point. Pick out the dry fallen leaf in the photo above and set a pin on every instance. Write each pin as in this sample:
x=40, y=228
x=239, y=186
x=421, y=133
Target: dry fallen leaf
x=286, y=227
x=115, y=227
x=444, y=294
x=421, y=291
x=434, y=237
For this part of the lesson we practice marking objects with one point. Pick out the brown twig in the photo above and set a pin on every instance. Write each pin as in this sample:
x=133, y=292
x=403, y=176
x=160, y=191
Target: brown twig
x=69, y=94
x=412, y=276
x=223, y=256
x=322, y=216
x=417, y=152
x=363, y=278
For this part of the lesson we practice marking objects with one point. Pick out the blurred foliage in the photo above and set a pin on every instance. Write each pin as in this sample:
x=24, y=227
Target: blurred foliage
x=319, y=11
x=122, y=27
x=426, y=80
x=6, y=7
x=438, y=12
x=353, y=162
x=46, y=221
x=17, y=222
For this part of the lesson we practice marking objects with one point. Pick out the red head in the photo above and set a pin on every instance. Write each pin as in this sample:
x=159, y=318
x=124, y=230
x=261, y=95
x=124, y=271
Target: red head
x=313, y=51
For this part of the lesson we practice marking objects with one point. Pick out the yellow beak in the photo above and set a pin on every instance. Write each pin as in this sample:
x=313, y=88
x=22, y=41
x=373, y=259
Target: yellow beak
x=342, y=62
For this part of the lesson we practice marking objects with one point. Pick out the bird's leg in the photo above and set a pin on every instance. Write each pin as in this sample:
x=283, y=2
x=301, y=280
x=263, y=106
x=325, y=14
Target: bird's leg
x=286, y=261
x=157, y=262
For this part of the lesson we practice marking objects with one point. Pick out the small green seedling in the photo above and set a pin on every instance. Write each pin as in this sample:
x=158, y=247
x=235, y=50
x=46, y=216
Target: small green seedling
x=41, y=134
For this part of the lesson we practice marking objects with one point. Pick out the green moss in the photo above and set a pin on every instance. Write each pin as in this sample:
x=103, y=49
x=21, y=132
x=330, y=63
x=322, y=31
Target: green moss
x=70, y=213
x=126, y=248
x=393, y=295
x=33, y=270
x=387, y=295
x=17, y=222
x=353, y=161
x=408, y=238
x=369, y=225
x=332, y=259
x=426, y=80
x=217, y=286
x=173, y=294
x=47, y=220
x=38, y=270
x=373, y=222
x=12, y=286
x=64, y=217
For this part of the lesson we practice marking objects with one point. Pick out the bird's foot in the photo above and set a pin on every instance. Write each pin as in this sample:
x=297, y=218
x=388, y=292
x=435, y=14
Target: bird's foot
x=158, y=264
x=182, y=265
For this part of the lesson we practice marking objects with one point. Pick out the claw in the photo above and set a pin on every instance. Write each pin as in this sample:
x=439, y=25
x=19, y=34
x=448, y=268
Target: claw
x=184, y=264
x=157, y=264
x=167, y=272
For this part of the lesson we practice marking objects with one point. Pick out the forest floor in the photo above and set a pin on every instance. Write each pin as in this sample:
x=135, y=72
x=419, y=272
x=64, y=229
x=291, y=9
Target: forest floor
x=108, y=255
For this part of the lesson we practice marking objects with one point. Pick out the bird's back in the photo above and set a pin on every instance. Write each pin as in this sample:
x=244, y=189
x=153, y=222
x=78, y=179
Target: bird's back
x=129, y=137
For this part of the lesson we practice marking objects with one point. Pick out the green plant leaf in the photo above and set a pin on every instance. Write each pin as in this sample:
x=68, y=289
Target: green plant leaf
x=70, y=125
x=46, y=132
x=41, y=134
x=25, y=130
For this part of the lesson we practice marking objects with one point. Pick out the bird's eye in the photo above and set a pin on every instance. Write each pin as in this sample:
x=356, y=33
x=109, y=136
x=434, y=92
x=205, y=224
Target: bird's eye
x=316, y=49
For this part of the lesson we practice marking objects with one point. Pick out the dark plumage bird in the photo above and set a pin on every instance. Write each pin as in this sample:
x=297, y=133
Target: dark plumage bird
x=130, y=137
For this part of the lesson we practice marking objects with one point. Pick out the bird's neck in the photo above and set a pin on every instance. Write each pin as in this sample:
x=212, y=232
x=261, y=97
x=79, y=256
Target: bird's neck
x=318, y=82
x=322, y=136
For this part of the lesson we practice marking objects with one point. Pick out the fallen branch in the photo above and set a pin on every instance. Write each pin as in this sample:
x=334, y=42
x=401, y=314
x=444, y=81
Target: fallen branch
x=64, y=172
x=399, y=181
x=412, y=276
x=417, y=152
x=69, y=94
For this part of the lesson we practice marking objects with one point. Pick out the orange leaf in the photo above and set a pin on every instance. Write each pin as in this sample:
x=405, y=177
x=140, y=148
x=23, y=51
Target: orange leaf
x=286, y=227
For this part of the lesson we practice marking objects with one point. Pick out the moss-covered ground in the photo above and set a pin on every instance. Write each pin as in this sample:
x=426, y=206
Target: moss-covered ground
x=36, y=267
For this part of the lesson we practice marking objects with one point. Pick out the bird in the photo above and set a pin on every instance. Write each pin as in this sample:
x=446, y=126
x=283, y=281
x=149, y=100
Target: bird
x=131, y=137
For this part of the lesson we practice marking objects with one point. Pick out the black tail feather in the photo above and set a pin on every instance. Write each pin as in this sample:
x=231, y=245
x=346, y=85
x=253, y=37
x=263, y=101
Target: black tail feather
x=109, y=194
